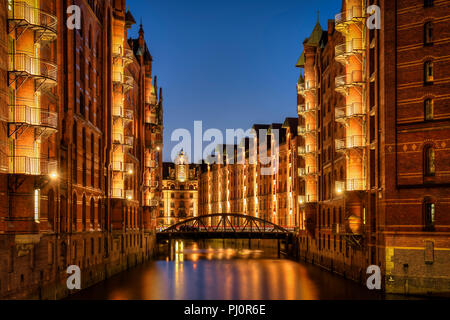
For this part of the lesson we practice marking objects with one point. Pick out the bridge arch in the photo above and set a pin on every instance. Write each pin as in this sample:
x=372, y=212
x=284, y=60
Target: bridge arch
x=226, y=222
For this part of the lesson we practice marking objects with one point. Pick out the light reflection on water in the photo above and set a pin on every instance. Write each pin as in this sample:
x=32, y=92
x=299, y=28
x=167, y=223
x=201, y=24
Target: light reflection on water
x=217, y=270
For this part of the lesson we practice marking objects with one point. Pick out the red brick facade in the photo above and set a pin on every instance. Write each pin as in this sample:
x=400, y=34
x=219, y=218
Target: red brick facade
x=81, y=128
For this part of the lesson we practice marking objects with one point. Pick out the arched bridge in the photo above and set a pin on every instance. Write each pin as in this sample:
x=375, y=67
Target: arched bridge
x=224, y=226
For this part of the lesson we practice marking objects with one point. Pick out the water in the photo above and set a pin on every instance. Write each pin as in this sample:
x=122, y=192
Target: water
x=226, y=270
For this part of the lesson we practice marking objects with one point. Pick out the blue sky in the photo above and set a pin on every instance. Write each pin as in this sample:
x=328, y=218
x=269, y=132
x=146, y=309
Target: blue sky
x=228, y=63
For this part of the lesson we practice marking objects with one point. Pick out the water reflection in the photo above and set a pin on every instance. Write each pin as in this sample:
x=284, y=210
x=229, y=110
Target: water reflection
x=226, y=270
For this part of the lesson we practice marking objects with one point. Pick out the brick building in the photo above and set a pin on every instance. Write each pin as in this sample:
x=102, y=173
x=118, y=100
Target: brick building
x=236, y=184
x=380, y=105
x=81, y=132
x=179, y=191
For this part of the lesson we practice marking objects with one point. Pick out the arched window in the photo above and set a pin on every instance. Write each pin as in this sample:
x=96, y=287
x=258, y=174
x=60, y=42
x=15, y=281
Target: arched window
x=83, y=216
x=63, y=215
x=93, y=226
x=429, y=214
x=100, y=215
x=429, y=161
x=429, y=71
x=51, y=209
x=74, y=213
x=428, y=33
x=429, y=109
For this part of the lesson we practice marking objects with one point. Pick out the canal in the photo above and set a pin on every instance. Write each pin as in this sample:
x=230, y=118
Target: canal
x=226, y=270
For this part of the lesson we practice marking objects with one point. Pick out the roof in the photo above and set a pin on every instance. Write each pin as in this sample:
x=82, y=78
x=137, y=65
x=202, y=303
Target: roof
x=316, y=35
x=301, y=61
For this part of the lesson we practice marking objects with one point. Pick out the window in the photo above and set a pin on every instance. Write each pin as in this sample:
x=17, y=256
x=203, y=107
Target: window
x=36, y=205
x=430, y=211
x=428, y=3
x=428, y=33
x=429, y=72
x=430, y=167
x=429, y=109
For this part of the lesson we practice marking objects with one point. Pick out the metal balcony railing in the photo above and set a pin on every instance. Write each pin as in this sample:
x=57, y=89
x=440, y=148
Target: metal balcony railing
x=117, y=166
x=117, y=50
x=301, y=108
x=349, y=48
x=33, y=116
x=129, y=141
x=121, y=112
x=31, y=165
x=350, y=142
x=303, y=151
x=308, y=129
x=119, y=78
x=309, y=198
x=354, y=78
x=119, y=138
x=150, y=183
x=151, y=203
x=351, y=15
x=34, y=67
x=24, y=15
x=307, y=86
x=128, y=55
x=350, y=185
x=352, y=110
x=117, y=193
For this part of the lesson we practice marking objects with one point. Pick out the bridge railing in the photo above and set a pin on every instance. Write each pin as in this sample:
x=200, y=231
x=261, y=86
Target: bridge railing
x=227, y=223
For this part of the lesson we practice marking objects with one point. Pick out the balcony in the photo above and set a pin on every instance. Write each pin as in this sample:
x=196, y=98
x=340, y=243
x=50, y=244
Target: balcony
x=351, y=142
x=35, y=117
x=120, y=139
x=150, y=163
x=348, y=49
x=21, y=15
x=119, y=112
x=351, y=16
x=307, y=199
x=350, y=185
x=118, y=166
x=117, y=193
x=149, y=183
x=307, y=130
x=307, y=86
x=301, y=108
x=151, y=203
x=120, y=79
x=128, y=56
x=304, y=151
x=31, y=166
x=353, y=79
x=45, y=73
x=354, y=110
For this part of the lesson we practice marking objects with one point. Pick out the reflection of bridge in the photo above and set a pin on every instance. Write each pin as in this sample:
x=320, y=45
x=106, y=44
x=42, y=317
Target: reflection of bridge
x=224, y=226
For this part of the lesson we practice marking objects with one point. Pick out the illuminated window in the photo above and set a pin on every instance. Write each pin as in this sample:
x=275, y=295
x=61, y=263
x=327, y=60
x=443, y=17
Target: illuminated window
x=36, y=205
x=429, y=71
x=429, y=109
x=430, y=211
x=430, y=167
